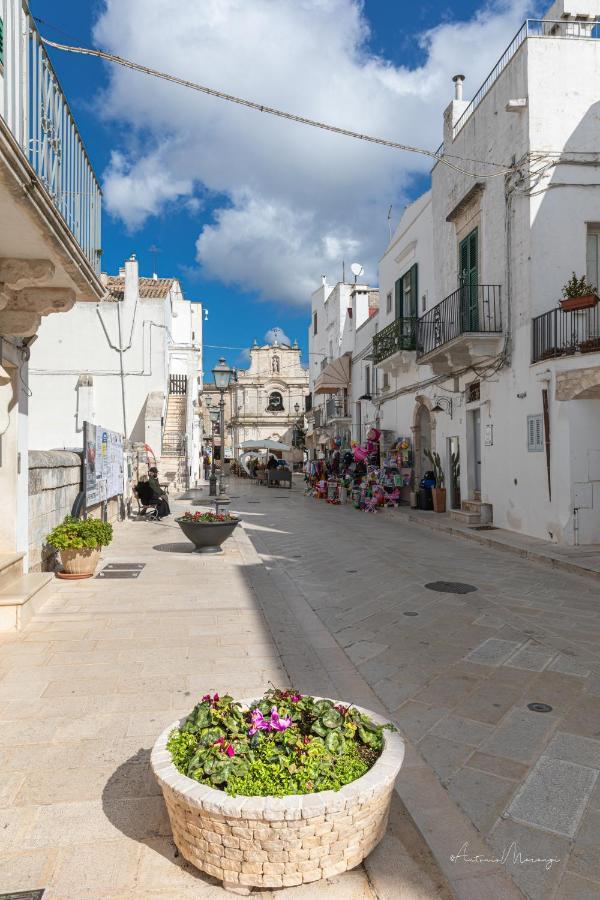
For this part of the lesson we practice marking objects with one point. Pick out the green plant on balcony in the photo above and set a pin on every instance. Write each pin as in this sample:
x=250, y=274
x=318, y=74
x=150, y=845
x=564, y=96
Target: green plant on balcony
x=578, y=293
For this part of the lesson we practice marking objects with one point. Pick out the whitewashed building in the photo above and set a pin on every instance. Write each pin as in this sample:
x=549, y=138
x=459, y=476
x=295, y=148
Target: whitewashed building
x=495, y=371
x=337, y=312
x=132, y=363
x=268, y=398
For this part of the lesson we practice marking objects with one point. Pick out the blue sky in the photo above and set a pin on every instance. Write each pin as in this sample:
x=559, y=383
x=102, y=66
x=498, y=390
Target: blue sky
x=316, y=195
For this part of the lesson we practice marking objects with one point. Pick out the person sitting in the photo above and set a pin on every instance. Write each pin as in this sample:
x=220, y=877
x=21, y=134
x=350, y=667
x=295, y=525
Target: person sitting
x=148, y=498
x=163, y=504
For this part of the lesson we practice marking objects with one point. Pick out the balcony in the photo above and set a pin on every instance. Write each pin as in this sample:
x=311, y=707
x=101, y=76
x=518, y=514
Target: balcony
x=392, y=344
x=570, y=29
x=50, y=200
x=561, y=332
x=336, y=409
x=463, y=330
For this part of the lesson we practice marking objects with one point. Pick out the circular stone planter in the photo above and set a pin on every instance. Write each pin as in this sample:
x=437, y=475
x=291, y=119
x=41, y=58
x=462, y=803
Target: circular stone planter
x=274, y=842
x=207, y=536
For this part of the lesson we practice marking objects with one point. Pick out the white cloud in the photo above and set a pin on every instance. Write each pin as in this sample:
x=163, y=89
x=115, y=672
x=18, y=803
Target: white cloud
x=277, y=334
x=298, y=200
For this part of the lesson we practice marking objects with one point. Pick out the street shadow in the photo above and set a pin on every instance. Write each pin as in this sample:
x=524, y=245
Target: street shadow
x=132, y=801
x=177, y=547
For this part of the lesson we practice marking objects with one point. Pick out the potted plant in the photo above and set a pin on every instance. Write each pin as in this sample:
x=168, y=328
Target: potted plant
x=438, y=493
x=279, y=791
x=591, y=345
x=207, y=530
x=578, y=293
x=455, y=479
x=79, y=542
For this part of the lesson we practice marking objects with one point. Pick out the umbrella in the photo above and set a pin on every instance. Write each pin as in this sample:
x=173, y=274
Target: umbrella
x=264, y=445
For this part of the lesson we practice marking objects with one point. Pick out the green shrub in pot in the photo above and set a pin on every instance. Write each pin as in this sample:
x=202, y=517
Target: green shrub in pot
x=80, y=534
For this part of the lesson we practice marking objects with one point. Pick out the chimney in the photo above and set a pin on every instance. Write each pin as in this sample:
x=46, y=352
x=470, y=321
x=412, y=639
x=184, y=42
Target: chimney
x=454, y=111
x=458, y=86
x=131, y=279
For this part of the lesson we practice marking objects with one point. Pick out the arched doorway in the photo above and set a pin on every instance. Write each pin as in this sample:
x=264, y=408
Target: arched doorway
x=422, y=439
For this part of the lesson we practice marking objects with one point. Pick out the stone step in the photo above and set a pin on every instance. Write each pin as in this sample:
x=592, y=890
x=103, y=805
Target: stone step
x=471, y=506
x=11, y=567
x=465, y=518
x=23, y=598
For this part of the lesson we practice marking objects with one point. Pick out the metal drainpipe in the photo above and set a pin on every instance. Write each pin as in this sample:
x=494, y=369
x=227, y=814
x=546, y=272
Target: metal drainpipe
x=576, y=526
x=122, y=372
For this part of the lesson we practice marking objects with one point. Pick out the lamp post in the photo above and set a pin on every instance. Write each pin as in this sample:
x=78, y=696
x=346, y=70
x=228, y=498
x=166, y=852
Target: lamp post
x=214, y=414
x=223, y=375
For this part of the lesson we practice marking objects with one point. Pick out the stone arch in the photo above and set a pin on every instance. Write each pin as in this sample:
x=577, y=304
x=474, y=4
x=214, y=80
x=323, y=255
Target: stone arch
x=423, y=429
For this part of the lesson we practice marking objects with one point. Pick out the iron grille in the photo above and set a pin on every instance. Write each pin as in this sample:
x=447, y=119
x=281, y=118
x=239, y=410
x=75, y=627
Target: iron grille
x=399, y=335
x=562, y=332
x=471, y=309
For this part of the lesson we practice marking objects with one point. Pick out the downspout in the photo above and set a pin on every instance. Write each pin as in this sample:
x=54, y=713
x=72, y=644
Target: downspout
x=547, y=438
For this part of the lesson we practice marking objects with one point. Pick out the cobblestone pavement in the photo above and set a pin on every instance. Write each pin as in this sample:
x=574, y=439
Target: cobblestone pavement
x=87, y=687
x=456, y=671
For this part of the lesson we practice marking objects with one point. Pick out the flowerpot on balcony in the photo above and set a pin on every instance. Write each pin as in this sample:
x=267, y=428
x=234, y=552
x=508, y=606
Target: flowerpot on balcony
x=571, y=304
x=592, y=345
x=439, y=499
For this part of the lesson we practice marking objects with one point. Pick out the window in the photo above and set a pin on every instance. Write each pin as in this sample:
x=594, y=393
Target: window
x=275, y=402
x=535, y=433
x=386, y=381
x=406, y=293
x=314, y=323
x=388, y=302
x=367, y=379
x=593, y=255
x=473, y=391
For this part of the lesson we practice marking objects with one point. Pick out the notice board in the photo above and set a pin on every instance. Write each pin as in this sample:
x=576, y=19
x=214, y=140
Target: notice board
x=103, y=451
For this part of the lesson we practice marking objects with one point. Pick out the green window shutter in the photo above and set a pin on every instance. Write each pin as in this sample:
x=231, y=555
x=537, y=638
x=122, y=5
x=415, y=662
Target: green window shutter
x=414, y=292
x=1, y=42
x=398, y=298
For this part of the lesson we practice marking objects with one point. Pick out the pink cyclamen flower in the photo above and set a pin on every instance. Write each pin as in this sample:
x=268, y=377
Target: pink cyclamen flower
x=277, y=723
x=258, y=722
x=230, y=751
x=295, y=697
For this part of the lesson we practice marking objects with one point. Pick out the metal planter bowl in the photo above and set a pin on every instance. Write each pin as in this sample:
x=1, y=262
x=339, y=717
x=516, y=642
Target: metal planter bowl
x=207, y=536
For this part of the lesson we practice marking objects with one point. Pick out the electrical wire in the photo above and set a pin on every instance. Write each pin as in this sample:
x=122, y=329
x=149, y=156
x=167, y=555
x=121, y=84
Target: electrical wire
x=270, y=110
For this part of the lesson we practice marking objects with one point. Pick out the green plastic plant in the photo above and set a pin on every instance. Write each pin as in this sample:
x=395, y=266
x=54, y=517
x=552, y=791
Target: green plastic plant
x=578, y=287
x=434, y=459
x=285, y=743
x=80, y=534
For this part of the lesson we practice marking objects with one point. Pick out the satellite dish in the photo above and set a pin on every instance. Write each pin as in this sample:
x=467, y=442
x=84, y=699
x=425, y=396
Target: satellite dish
x=357, y=270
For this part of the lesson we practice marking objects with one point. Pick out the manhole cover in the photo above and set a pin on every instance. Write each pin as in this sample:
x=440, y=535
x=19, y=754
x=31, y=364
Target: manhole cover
x=450, y=587
x=129, y=573
x=539, y=707
x=410, y=613
x=23, y=895
x=253, y=501
x=351, y=571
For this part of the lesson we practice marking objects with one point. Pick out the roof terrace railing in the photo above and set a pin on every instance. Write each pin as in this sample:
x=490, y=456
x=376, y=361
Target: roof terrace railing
x=36, y=111
x=532, y=28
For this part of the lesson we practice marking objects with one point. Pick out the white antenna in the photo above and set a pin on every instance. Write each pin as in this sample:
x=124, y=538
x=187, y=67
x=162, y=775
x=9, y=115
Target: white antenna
x=390, y=221
x=357, y=270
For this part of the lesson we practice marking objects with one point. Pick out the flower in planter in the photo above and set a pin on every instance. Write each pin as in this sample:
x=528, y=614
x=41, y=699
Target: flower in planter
x=208, y=517
x=286, y=743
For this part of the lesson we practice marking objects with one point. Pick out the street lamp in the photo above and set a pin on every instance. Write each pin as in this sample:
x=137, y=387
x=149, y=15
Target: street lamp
x=215, y=415
x=223, y=375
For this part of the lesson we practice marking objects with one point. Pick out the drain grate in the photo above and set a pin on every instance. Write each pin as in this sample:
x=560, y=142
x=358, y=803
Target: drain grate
x=129, y=573
x=539, y=707
x=410, y=613
x=253, y=501
x=119, y=567
x=450, y=587
x=484, y=528
x=23, y=895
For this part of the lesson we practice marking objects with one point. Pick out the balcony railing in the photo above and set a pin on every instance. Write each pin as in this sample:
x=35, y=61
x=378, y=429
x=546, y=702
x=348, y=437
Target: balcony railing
x=532, y=28
x=336, y=408
x=472, y=309
x=399, y=335
x=561, y=332
x=37, y=113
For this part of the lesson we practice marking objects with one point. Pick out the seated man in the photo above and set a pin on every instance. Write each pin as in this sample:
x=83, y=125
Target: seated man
x=148, y=497
x=162, y=505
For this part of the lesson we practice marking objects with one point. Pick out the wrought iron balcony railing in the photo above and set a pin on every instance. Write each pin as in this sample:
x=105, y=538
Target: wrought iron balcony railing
x=37, y=113
x=472, y=309
x=532, y=28
x=399, y=335
x=336, y=408
x=562, y=332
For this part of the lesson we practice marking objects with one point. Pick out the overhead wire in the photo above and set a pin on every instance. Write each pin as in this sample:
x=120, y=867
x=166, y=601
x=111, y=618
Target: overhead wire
x=273, y=111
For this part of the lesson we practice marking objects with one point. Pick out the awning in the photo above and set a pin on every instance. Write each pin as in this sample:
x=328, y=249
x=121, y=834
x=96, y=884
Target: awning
x=264, y=445
x=335, y=376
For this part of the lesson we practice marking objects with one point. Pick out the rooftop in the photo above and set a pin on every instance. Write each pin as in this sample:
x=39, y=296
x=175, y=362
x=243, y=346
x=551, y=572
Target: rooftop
x=150, y=288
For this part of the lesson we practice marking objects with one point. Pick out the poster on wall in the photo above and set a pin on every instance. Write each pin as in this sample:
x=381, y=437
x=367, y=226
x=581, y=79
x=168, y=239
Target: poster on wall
x=103, y=451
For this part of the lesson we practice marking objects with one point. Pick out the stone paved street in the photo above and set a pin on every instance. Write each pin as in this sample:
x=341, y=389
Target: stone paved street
x=456, y=672
x=91, y=682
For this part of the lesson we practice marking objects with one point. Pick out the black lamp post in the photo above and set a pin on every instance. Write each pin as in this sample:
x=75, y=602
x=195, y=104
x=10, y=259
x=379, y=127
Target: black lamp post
x=223, y=376
x=214, y=414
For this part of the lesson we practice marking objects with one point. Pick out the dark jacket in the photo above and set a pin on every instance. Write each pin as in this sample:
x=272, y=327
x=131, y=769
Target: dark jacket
x=153, y=482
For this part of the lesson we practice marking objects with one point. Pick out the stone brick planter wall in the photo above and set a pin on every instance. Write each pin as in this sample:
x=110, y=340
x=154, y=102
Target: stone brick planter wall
x=273, y=842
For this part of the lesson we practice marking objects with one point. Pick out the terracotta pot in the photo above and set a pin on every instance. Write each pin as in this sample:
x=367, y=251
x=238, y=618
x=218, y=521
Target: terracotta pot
x=439, y=499
x=80, y=562
x=574, y=303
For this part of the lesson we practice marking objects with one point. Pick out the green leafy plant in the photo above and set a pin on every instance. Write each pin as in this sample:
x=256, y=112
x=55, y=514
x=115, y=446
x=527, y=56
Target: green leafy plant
x=434, y=459
x=207, y=517
x=285, y=743
x=80, y=534
x=578, y=287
